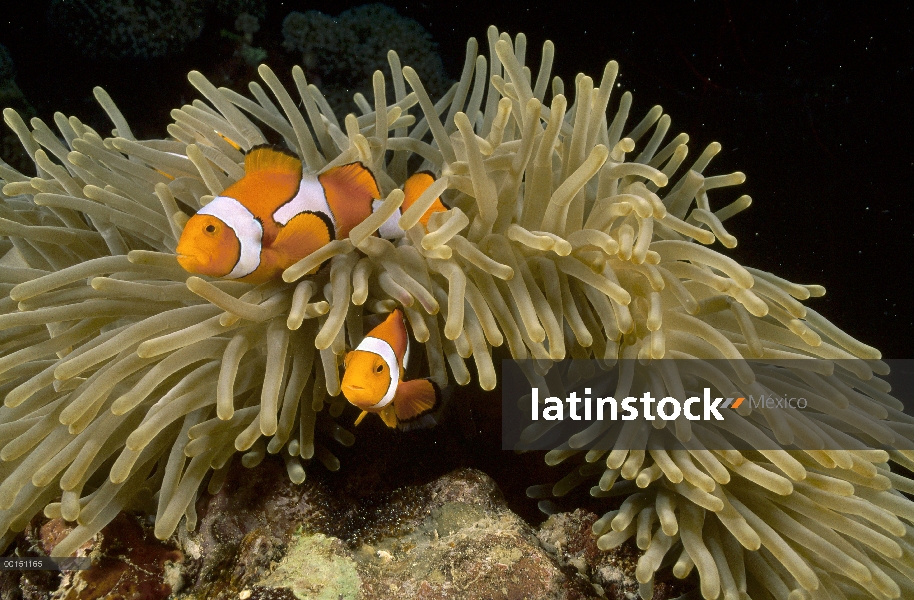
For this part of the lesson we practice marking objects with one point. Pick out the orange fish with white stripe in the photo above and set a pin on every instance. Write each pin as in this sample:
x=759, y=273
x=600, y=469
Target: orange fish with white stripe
x=278, y=214
x=373, y=380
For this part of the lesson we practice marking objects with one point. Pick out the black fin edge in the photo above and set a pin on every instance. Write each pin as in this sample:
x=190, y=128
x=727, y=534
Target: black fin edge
x=428, y=418
x=275, y=147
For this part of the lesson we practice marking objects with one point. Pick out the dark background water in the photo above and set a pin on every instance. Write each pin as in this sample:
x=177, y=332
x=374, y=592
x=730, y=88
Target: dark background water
x=811, y=100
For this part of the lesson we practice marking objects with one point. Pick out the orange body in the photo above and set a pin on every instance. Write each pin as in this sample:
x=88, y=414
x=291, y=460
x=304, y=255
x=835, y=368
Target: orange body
x=276, y=215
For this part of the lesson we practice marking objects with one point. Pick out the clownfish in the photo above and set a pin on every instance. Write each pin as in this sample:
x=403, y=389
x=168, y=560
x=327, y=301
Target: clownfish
x=373, y=380
x=278, y=214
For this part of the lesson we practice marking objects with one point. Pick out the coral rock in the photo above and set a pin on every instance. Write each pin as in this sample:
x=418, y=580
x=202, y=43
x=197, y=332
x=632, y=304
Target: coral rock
x=469, y=546
x=260, y=541
x=568, y=538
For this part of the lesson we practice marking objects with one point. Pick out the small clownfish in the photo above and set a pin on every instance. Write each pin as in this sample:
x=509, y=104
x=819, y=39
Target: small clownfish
x=278, y=214
x=373, y=380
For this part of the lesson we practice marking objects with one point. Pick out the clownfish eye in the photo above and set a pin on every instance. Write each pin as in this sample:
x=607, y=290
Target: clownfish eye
x=210, y=228
x=379, y=368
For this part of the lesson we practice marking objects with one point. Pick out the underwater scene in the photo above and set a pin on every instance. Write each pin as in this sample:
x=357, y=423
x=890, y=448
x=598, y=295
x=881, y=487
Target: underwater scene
x=341, y=300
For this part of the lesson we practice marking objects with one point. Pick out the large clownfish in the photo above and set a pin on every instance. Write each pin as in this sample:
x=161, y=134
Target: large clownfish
x=373, y=380
x=278, y=214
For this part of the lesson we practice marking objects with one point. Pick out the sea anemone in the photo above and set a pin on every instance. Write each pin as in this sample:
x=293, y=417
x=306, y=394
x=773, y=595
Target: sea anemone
x=125, y=381
x=561, y=241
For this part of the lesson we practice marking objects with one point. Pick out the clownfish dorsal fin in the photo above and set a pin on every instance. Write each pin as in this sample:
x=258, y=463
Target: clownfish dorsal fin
x=271, y=158
x=350, y=190
x=352, y=176
x=393, y=331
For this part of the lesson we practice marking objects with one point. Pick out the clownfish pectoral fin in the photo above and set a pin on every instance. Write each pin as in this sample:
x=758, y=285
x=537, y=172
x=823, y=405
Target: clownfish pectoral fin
x=415, y=398
x=266, y=157
x=302, y=235
x=349, y=189
x=360, y=417
x=389, y=416
x=414, y=187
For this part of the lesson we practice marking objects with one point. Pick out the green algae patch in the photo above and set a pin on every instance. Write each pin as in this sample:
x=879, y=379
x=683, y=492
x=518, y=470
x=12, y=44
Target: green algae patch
x=316, y=567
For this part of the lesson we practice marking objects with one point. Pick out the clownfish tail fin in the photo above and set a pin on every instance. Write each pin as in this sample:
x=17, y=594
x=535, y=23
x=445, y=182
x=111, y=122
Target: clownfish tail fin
x=414, y=187
x=416, y=184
